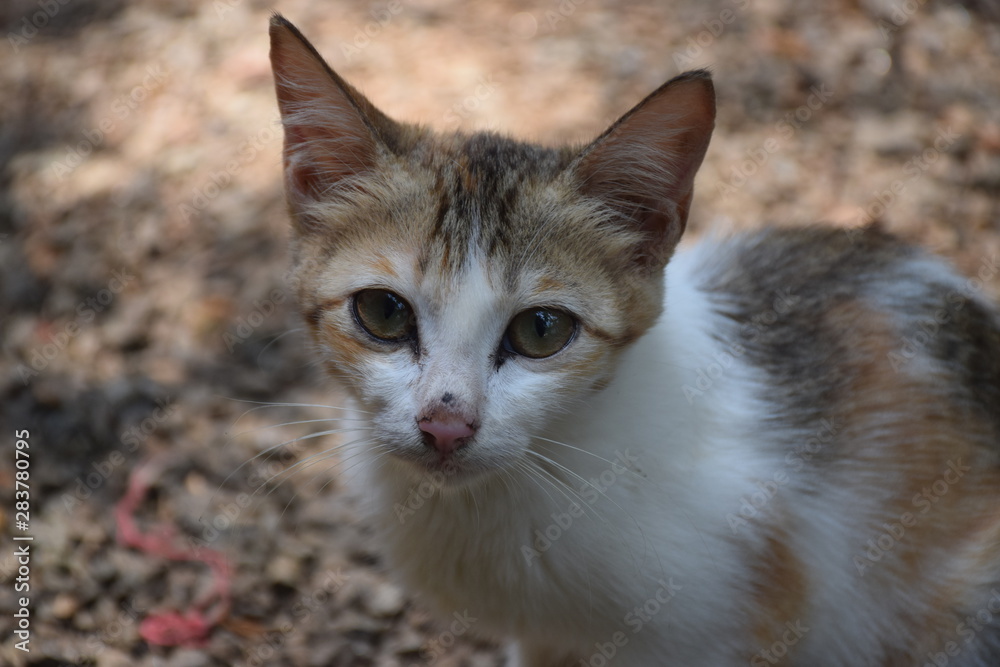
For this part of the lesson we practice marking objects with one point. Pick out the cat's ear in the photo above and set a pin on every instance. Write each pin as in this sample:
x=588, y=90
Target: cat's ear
x=643, y=166
x=333, y=134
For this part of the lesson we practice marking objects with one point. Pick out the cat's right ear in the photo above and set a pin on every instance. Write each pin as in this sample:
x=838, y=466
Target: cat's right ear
x=333, y=134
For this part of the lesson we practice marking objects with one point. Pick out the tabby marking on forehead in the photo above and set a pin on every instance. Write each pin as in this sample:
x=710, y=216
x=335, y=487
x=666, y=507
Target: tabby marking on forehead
x=483, y=186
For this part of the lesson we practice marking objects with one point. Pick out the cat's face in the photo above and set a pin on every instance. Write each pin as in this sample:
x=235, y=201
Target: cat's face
x=431, y=310
x=467, y=288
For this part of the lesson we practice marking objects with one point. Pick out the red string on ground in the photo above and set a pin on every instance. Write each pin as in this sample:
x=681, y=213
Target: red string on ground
x=186, y=628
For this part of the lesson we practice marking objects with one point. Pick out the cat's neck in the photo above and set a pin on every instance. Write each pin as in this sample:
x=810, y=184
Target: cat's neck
x=664, y=401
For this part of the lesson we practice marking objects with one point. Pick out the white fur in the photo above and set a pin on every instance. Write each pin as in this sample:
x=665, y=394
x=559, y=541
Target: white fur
x=663, y=524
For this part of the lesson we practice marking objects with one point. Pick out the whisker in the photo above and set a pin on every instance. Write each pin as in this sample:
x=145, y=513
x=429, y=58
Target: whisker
x=475, y=503
x=382, y=452
x=560, y=466
x=294, y=423
x=589, y=453
x=327, y=454
x=271, y=404
x=609, y=499
x=266, y=483
x=273, y=341
x=287, y=442
x=532, y=474
x=508, y=478
x=381, y=449
x=551, y=479
x=305, y=463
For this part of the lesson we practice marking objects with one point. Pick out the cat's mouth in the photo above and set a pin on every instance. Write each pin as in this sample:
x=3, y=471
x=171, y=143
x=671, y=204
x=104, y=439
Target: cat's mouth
x=442, y=471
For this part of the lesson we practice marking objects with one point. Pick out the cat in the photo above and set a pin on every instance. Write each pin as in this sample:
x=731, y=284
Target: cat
x=778, y=448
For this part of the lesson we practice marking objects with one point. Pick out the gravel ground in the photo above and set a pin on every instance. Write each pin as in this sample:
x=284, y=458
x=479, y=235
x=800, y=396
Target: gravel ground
x=143, y=306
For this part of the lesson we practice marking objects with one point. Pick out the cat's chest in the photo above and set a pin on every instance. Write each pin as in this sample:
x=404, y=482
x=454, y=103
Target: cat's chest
x=513, y=567
x=552, y=574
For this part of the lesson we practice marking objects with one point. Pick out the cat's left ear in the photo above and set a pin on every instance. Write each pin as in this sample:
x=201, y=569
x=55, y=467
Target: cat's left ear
x=643, y=166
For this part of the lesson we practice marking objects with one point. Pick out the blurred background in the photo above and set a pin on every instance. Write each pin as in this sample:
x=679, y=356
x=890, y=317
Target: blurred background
x=144, y=312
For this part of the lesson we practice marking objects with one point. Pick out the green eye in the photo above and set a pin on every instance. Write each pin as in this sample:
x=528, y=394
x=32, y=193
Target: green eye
x=539, y=332
x=385, y=315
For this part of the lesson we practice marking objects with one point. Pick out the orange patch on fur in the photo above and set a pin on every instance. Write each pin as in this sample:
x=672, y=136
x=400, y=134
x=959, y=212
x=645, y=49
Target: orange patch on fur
x=470, y=182
x=941, y=481
x=547, y=284
x=350, y=353
x=383, y=265
x=621, y=341
x=780, y=590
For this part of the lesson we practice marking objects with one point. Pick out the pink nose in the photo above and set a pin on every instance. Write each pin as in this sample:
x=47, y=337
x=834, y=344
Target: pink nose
x=446, y=435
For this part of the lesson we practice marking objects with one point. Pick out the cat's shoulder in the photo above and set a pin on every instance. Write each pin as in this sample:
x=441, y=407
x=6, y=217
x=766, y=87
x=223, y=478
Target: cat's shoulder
x=831, y=314
x=824, y=265
x=814, y=255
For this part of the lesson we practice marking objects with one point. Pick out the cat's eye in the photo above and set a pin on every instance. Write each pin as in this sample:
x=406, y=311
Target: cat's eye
x=385, y=315
x=539, y=332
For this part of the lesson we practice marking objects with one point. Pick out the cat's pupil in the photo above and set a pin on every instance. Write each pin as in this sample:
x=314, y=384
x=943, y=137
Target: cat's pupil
x=543, y=322
x=391, y=307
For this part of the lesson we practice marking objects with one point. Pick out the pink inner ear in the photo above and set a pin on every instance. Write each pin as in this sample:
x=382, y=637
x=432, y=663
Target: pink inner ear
x=326, y=137
x=301, y=177
x=303, y=181
x=644, y=165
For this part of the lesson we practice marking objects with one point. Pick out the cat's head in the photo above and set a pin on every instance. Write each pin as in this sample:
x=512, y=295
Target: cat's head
x=466, y=288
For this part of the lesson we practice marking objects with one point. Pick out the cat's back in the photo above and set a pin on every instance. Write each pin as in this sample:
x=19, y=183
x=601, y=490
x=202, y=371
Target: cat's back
x=831, y=315
x=878, y=367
